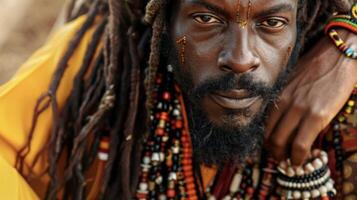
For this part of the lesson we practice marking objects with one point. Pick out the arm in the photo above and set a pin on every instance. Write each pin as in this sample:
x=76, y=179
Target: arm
x=318, y=90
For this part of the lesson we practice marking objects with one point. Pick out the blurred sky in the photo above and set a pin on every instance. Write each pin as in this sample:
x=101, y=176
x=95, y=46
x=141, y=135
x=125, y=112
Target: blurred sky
x=25, y=26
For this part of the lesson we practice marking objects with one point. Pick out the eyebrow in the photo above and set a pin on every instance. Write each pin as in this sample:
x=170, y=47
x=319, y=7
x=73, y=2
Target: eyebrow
x=209, y=6
x=285, y=7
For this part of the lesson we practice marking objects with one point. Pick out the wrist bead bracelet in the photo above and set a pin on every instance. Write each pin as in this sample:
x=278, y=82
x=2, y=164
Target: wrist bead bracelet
x=348, y=22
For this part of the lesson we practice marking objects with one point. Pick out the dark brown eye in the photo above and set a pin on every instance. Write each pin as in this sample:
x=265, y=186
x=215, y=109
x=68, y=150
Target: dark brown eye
x=273, y=23
x=206, y=19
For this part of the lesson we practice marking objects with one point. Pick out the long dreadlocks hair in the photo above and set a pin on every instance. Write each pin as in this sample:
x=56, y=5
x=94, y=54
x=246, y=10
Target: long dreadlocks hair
x=120, y=83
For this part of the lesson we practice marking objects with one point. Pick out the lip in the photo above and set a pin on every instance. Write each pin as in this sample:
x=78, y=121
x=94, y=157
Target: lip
x=234, y=99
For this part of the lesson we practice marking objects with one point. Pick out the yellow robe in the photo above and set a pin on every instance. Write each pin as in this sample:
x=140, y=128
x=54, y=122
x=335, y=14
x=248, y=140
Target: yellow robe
x=17, y=102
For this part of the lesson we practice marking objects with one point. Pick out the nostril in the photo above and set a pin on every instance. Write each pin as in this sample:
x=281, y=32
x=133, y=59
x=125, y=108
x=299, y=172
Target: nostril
x=254, y=68
x=225, y=68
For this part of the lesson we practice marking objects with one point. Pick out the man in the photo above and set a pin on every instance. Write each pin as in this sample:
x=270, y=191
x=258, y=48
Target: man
x=222, y=62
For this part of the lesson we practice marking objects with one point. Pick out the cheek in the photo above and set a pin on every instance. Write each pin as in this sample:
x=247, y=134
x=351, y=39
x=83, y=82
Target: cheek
x=275, y=56
x=201, y=57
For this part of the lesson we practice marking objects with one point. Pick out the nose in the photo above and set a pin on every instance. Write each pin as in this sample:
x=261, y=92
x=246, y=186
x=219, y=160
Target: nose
x=237, y=54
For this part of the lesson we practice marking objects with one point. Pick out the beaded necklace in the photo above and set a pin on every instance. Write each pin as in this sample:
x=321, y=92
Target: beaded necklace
x=253, y=181
x=166, y=169
x=338, y=123
x=167, y=164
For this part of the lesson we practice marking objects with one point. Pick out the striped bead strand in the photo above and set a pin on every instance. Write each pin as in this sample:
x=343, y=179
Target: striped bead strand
x=341, y=45
x=103, y=152
x=268, y=174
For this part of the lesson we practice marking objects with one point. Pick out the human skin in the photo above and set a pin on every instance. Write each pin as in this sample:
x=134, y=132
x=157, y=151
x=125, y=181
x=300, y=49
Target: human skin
x=320, y=87
x=216, y=45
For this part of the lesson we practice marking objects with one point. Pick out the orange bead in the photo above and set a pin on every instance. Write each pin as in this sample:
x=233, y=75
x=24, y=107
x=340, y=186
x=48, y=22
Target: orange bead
x=164, y=116
x=189, y=180
x=184, y=139
x=166, y=96
x=187, y=155
x=191, y=193
x=191, y=186
x=160, y=131
x=187, y=168
x=192, y=197
x=188, y=173
x=250, y=191
x=186, y=145
x=178, y=124
x=169, y=163
x=171, y=193
x=186, y=150
x=187, y=162
x=104, y=145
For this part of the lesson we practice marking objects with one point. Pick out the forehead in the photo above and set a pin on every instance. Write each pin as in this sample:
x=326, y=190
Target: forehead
x=256, y=5
x=225, y=2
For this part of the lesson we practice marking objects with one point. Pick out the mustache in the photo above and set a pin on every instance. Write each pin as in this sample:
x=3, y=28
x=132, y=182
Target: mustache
x=233, y=81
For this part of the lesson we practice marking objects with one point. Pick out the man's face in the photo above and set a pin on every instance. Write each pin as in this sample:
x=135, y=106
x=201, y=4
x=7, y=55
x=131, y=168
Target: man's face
x=231, y=64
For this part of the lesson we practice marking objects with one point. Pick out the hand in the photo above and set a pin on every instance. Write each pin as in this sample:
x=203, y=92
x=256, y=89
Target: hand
x=319, y=88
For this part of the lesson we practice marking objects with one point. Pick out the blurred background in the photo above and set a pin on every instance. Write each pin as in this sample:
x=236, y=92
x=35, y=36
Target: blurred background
x=24, y=27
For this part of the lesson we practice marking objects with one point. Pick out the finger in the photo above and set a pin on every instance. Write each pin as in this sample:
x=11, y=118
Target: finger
x=305, y=137
x=282, y=135
x=275, y=113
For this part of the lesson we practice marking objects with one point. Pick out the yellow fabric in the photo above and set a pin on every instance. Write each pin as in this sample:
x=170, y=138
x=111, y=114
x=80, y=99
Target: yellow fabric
x=17, y=101
x=12, y=185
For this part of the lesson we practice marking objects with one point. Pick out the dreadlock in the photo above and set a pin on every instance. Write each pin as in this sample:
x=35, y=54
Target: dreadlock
x=107, y=102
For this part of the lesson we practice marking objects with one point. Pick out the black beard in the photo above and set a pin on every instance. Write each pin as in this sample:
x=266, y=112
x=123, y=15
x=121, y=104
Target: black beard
x=217, y=145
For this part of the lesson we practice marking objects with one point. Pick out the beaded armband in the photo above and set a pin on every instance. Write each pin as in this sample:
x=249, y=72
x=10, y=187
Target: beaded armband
x=348, y=22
